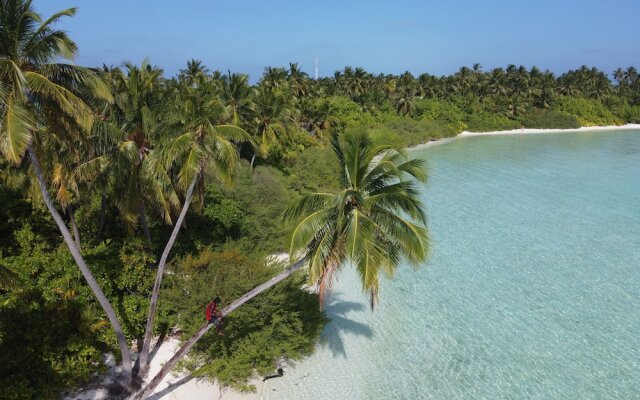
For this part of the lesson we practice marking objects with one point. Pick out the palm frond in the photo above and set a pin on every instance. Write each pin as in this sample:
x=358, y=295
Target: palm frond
x=16, y=125
x=68, y=102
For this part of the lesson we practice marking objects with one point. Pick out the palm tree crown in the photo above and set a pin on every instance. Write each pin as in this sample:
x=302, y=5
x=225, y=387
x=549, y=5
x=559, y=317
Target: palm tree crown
x=33, y=83
x=375, y=221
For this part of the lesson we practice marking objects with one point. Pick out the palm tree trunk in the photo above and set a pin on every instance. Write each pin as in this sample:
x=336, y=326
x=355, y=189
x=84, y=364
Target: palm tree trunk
x=103, y=212
x=146, y=344
x=168, y=366
x=88, y=276
x=253, y=159
x=74, y=226
x=143, y=223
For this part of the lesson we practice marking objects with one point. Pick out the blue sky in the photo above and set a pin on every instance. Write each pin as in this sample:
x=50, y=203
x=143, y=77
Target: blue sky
x=382, y=36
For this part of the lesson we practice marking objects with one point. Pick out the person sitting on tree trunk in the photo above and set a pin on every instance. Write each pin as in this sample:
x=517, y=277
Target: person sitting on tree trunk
x=213, y=315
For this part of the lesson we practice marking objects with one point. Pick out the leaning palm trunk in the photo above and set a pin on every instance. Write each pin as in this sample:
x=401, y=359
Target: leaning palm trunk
x=253, y=159
x=146, y=344
x=88, y=276
x=168, y=366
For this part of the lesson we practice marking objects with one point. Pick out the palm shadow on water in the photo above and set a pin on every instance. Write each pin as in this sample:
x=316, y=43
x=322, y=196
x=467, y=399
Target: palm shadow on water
x=340, y=324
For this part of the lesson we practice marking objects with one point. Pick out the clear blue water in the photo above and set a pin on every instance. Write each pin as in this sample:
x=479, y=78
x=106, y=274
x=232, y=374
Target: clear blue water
x=532, y=290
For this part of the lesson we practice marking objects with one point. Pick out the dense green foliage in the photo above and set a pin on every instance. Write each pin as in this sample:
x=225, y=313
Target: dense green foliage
x=549, y=119
x=53, y=335
x=47, y=309
x=284, y=322
x=588, y=112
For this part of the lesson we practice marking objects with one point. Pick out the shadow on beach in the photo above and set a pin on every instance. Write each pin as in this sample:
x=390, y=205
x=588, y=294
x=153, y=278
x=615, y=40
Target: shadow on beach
x=341, y=324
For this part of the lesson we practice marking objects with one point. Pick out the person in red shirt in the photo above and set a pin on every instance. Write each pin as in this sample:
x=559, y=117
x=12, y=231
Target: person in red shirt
x=213, y=315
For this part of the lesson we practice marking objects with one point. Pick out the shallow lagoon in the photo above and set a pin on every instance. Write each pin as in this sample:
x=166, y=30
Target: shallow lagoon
x=532, y=289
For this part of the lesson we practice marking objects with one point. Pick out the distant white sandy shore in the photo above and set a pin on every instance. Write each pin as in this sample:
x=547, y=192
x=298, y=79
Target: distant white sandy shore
x=526, y=131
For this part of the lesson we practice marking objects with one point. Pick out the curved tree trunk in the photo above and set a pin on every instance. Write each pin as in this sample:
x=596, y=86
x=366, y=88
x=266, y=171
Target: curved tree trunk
x=146, y=344
x=103, y=212
x=88, y=276
x=168, y=366
x=253, y=159
x=74, y=226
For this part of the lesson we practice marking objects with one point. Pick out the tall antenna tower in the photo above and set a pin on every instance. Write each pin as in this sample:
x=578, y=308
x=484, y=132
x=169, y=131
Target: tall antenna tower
x=316, y=68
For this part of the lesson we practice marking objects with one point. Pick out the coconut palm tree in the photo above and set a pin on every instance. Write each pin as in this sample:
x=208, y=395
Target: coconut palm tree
x=40, y=96
x=139, y=182
x=272, y=113
x=236, y=95
x=274, y=77
x=464, y=80
x=405, y=101
x=203, y=142
x=298, y=81
x=195, y=70
x=356, y=81
x=370, y=222
x=375, y=221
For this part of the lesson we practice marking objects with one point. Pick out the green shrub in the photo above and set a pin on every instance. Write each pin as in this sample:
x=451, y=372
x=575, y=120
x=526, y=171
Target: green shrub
x=49, y=328
x=623, y=110
x=285, y=321
x=483, y=121
x=588, y=112
x=314, y=170
x=539, y=118
x=349, y=114
x=440, y=111
x=247, y=212
x=411, y=132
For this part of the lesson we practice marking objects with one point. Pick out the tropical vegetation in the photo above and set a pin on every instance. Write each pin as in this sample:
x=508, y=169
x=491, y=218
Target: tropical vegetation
x=130, y=199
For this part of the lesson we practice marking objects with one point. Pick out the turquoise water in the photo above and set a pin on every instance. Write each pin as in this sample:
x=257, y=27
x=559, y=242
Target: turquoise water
x=532, y=290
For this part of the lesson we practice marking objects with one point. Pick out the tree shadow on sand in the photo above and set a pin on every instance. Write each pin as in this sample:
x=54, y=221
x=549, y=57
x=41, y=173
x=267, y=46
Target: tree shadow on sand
x=171, y=387
x=338, y=311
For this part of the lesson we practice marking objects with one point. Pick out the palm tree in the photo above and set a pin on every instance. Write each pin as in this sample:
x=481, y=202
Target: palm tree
x=497, y=83
x=40, y=96
x=355, y=81
x=427, y=85
x=298, y=81
x=195, y=70
x=364, y=222
x=203, y=142
x=274, y=77
x=135, y=114
x=464, y=80
x=370, y=222
x=236, y=95
x=315, y=116
x=272, y=113
x=405, y=101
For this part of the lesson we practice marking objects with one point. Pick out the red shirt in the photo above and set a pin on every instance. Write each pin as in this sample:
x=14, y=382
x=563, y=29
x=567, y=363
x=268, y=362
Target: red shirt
x=211, y=310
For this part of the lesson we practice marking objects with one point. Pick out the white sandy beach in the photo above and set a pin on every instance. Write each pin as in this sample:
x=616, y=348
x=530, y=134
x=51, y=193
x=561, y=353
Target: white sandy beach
x=183, y=386
x=526, y=131
x=180, y=386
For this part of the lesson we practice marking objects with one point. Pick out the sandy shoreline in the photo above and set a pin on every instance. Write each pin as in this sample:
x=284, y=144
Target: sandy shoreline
x=179, y=385
x=525, y=131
